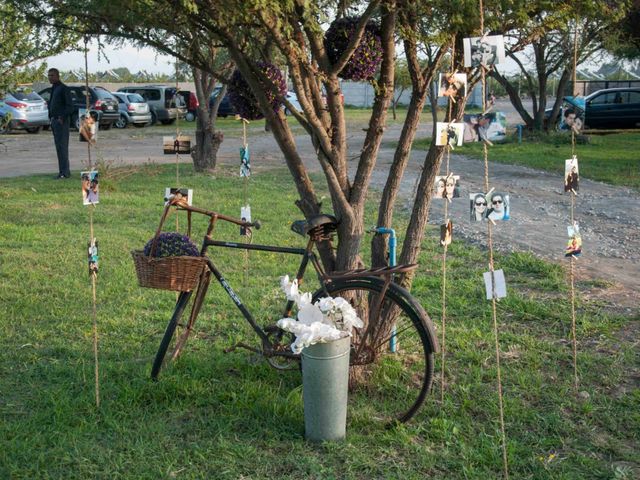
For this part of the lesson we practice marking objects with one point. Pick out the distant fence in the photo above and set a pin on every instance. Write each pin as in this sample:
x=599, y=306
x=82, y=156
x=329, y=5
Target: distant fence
x=587, y=87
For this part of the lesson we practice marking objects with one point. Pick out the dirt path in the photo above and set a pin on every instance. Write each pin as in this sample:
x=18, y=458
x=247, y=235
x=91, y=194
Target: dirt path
x=609, y=216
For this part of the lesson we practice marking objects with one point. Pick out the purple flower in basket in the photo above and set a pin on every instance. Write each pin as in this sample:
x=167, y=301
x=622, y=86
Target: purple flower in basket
x=172, y=244
x=243, y=99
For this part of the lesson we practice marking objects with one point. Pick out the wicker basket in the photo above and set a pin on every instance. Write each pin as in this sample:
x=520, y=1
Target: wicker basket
x=180, y=274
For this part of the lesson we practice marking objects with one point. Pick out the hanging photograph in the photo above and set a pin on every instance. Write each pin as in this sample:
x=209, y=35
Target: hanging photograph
x=446, y=233
x=452, y=85
x=500, y=287
x=92, y=256
x=173, y=192
x=490, y=126
x=446, y=186
x=449, y=134
x=245, y=163
x=245, y=216
x=498, y=206
x=571, y=175
x=89, y=182
x=574, y=244
x=179, y=144
x=478, y=210
x=486, y=51
x=88, y=126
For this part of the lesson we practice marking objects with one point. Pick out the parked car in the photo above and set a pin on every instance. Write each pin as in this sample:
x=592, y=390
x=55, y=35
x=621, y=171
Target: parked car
x=225, y=109
x=605, y=109
x=133, y=110
x=165, y=103
x=23, y=110
x=190, y=99
x=102, y=105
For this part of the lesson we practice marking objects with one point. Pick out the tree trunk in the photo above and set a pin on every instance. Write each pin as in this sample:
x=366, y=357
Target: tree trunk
x=514, y=97
x=208, y=140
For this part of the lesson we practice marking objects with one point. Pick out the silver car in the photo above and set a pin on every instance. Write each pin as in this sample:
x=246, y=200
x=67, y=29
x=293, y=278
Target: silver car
x=133, y=109
x=22, y=110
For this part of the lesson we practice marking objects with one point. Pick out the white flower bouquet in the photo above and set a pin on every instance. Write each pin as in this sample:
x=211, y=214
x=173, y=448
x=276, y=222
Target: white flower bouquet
x=320, y=322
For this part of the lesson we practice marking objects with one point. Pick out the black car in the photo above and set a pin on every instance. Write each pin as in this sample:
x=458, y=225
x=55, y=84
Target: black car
x=225, y=109
x=605, y=109
x=102, y=104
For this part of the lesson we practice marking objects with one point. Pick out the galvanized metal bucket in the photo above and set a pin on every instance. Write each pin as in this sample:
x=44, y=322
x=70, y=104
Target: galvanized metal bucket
x=325, y=384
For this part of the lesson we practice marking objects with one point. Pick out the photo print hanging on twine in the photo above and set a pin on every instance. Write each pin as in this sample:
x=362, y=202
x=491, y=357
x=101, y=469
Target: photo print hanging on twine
x=177, y=144
x=574, y=244
x=245, y=162
x=90, y=187
x=478, y=207
x=92, y=256
x=485, y=51
x=87, y=126
x=245, y=216
x=498, y=206
x=571, y=175
x=449, y=134
x=452, y=85
x=446, y=233
x=172, y=192
x=500, y=290
x=446, y=186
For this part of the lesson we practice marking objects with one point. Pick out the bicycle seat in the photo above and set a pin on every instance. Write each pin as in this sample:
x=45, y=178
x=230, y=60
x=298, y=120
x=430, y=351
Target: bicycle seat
x=317, y=226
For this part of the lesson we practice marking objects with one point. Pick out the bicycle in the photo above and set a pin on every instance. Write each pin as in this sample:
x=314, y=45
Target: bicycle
x=393, y=357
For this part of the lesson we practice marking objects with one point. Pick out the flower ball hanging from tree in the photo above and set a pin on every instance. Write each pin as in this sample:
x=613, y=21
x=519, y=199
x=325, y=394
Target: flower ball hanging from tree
x=242, y=98
x=366, y=58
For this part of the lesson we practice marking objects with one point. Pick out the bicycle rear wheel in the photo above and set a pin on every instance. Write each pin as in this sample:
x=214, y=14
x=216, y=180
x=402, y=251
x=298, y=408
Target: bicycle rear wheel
x=392, y=369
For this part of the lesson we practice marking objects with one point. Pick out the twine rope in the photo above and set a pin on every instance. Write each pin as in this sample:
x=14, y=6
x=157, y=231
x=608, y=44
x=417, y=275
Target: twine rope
x=572, y=193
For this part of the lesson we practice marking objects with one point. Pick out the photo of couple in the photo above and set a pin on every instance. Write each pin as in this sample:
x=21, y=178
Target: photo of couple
x=89, y=181
x=492, y=206
x=446, y=187
x=452, y=85
x=485, y=51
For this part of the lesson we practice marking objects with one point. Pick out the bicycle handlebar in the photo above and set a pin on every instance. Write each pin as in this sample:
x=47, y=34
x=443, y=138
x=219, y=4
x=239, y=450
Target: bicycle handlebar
x=182, y=204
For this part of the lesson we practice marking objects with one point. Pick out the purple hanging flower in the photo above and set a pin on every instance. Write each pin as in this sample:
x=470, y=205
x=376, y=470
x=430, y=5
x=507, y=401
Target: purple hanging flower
x=243, y=99
x=172, y=244
x=367, y=57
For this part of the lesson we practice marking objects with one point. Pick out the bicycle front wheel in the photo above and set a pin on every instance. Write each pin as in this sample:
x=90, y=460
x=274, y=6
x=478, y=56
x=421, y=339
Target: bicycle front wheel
x=391, y=367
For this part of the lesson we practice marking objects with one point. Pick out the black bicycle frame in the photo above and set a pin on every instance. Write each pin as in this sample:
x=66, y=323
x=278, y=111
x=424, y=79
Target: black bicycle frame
x=306, y=253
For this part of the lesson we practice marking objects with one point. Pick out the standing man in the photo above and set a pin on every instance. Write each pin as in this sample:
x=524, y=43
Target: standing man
x=60, y=110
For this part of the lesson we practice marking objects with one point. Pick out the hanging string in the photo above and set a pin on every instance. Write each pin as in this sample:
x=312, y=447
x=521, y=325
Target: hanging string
x=572, y=193
x=485, y=152
x=245, y=185
x=176, y=143
x=93, y=272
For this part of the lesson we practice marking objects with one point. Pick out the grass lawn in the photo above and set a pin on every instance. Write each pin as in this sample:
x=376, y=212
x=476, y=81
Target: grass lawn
x=610, y=158
x=229, y=415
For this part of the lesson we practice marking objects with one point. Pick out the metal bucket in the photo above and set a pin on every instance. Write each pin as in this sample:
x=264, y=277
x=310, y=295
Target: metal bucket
x=325, y=384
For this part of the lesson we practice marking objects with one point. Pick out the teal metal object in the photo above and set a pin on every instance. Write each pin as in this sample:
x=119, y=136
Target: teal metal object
x=325, y=385
x=519, y=127
x=392, y=263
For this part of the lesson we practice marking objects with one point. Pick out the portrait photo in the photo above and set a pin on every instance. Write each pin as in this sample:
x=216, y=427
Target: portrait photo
x=498, y=206
x=173, y=192
x=449, y=134
x=500, y=286
x=486, y=51
x=446, y=186
x=574, y=245
x=245, y=215
x=452, y=85
x=478, y=207
x=571, y=119
x=92, y=256
x=88, y=126
x=490, y=126
x=446, y=233
x=90, y=187
x=179, y=144
x=571, y=175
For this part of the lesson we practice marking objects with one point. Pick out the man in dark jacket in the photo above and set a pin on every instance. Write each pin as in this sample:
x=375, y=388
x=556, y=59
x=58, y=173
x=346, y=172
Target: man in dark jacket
x=60, y=110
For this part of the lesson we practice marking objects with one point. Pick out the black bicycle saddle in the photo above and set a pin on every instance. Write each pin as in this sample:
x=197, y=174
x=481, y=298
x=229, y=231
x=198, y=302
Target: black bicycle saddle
x=318, y=224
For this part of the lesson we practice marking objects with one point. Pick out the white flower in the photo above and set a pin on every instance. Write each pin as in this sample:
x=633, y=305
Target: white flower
x=290, y=288
x=310, y=314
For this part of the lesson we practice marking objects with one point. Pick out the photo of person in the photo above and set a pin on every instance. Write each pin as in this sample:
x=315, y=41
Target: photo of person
x=89, y=182
x=491, y=127
x=452, y=85
x=571, y=120
x=574, y=244
x=446, y=233
x=478, y=210
x=88, y=127
x=92, y=256
x=179, y=144
x=449, y=134
x=245, y=215
x=498, y=206
x=485, y=51
x=500, y=290
x=446, y=186
x=173, y=192
x=571, y=175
